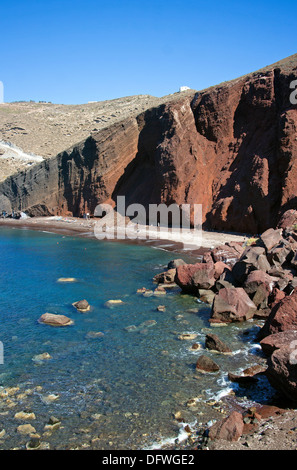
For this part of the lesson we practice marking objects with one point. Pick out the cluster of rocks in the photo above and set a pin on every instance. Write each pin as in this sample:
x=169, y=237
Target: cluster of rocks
x=257, y=279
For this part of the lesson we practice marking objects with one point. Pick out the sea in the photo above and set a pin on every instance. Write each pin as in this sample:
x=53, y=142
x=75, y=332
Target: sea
x=119, y=377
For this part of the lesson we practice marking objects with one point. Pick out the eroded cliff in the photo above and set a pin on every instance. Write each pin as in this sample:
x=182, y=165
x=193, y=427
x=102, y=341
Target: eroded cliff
x=231, y=148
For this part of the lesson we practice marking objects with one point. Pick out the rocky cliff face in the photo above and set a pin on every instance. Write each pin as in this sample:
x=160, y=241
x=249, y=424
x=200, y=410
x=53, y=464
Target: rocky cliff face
x=231, y=148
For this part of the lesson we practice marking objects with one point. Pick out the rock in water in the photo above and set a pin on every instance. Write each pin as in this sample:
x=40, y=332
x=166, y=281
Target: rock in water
x=206, y=364
x=113, y=303
x=55, y=320
x=214, y=343
x=82, y=305
x=66, y=279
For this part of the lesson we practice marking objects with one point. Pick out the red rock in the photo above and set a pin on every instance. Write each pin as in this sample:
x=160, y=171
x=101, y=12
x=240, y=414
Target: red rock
x=271, y=237
x=214, y=343
x=282, y=370
x=249, y=375
x=267, y=411
x=227, y=254
x=206, y=364
x=232, y=305
x=288, y=219
x=220, y=268
x=192, y=277
x=277, y=340
x=275, y=297
x=253, y=258
x=283, y=316
x=228, y=429
x=259, y=286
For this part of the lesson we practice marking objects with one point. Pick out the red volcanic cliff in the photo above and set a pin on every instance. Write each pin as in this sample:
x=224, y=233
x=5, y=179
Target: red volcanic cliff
x=231, y=148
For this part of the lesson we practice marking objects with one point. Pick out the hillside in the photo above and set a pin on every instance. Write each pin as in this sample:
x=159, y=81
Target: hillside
x=231, y=148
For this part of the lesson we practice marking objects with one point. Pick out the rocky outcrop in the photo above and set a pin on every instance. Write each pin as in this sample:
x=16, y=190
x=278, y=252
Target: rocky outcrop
x=231, y=148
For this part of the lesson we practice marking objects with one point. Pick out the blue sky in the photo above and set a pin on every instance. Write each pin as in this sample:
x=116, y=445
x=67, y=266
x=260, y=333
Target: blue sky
x=78, y=51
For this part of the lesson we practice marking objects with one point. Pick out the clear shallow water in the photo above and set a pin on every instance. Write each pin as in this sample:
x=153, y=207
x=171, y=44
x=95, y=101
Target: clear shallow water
x=119, y=391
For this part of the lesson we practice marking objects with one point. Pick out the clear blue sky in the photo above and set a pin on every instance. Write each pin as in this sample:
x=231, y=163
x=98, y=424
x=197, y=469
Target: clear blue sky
x=74, y=51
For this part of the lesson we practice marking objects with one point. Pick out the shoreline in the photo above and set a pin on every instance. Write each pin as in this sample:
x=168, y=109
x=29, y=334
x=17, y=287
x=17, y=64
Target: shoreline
x=74, y=226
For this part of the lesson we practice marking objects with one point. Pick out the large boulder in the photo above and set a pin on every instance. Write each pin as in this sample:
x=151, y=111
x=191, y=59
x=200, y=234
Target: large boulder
x=214, y=343
x=253, y=258
x=271, y=237
x=228, y=429
x=228, y=253
x=232, y=305
x=206, y=364
x=282, y=370
x=192, y=277
x=270, y=343
x=55, y=320
x=258, y=286
x=283, y=316
x=281, y=254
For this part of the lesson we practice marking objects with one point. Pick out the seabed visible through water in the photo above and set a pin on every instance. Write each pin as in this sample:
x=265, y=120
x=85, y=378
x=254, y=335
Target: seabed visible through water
x=130, y=388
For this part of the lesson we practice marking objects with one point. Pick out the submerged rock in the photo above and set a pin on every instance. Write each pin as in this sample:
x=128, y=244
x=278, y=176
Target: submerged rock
x=94, y=334
x=41, y=357
x=66, y=279
x=112, y=303
x=25, y=429
x=187, y=336
x=22, y=415
x=161, y=308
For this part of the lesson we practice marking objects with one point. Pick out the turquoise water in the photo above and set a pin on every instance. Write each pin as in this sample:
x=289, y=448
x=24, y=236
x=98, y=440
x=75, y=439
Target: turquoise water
x=117, y=391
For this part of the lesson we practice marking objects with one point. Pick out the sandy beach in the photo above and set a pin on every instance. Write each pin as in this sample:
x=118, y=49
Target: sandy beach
x=171, y=240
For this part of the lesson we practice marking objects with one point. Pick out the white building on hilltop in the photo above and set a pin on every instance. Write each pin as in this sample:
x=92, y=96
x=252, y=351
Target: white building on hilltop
x=184, y=88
